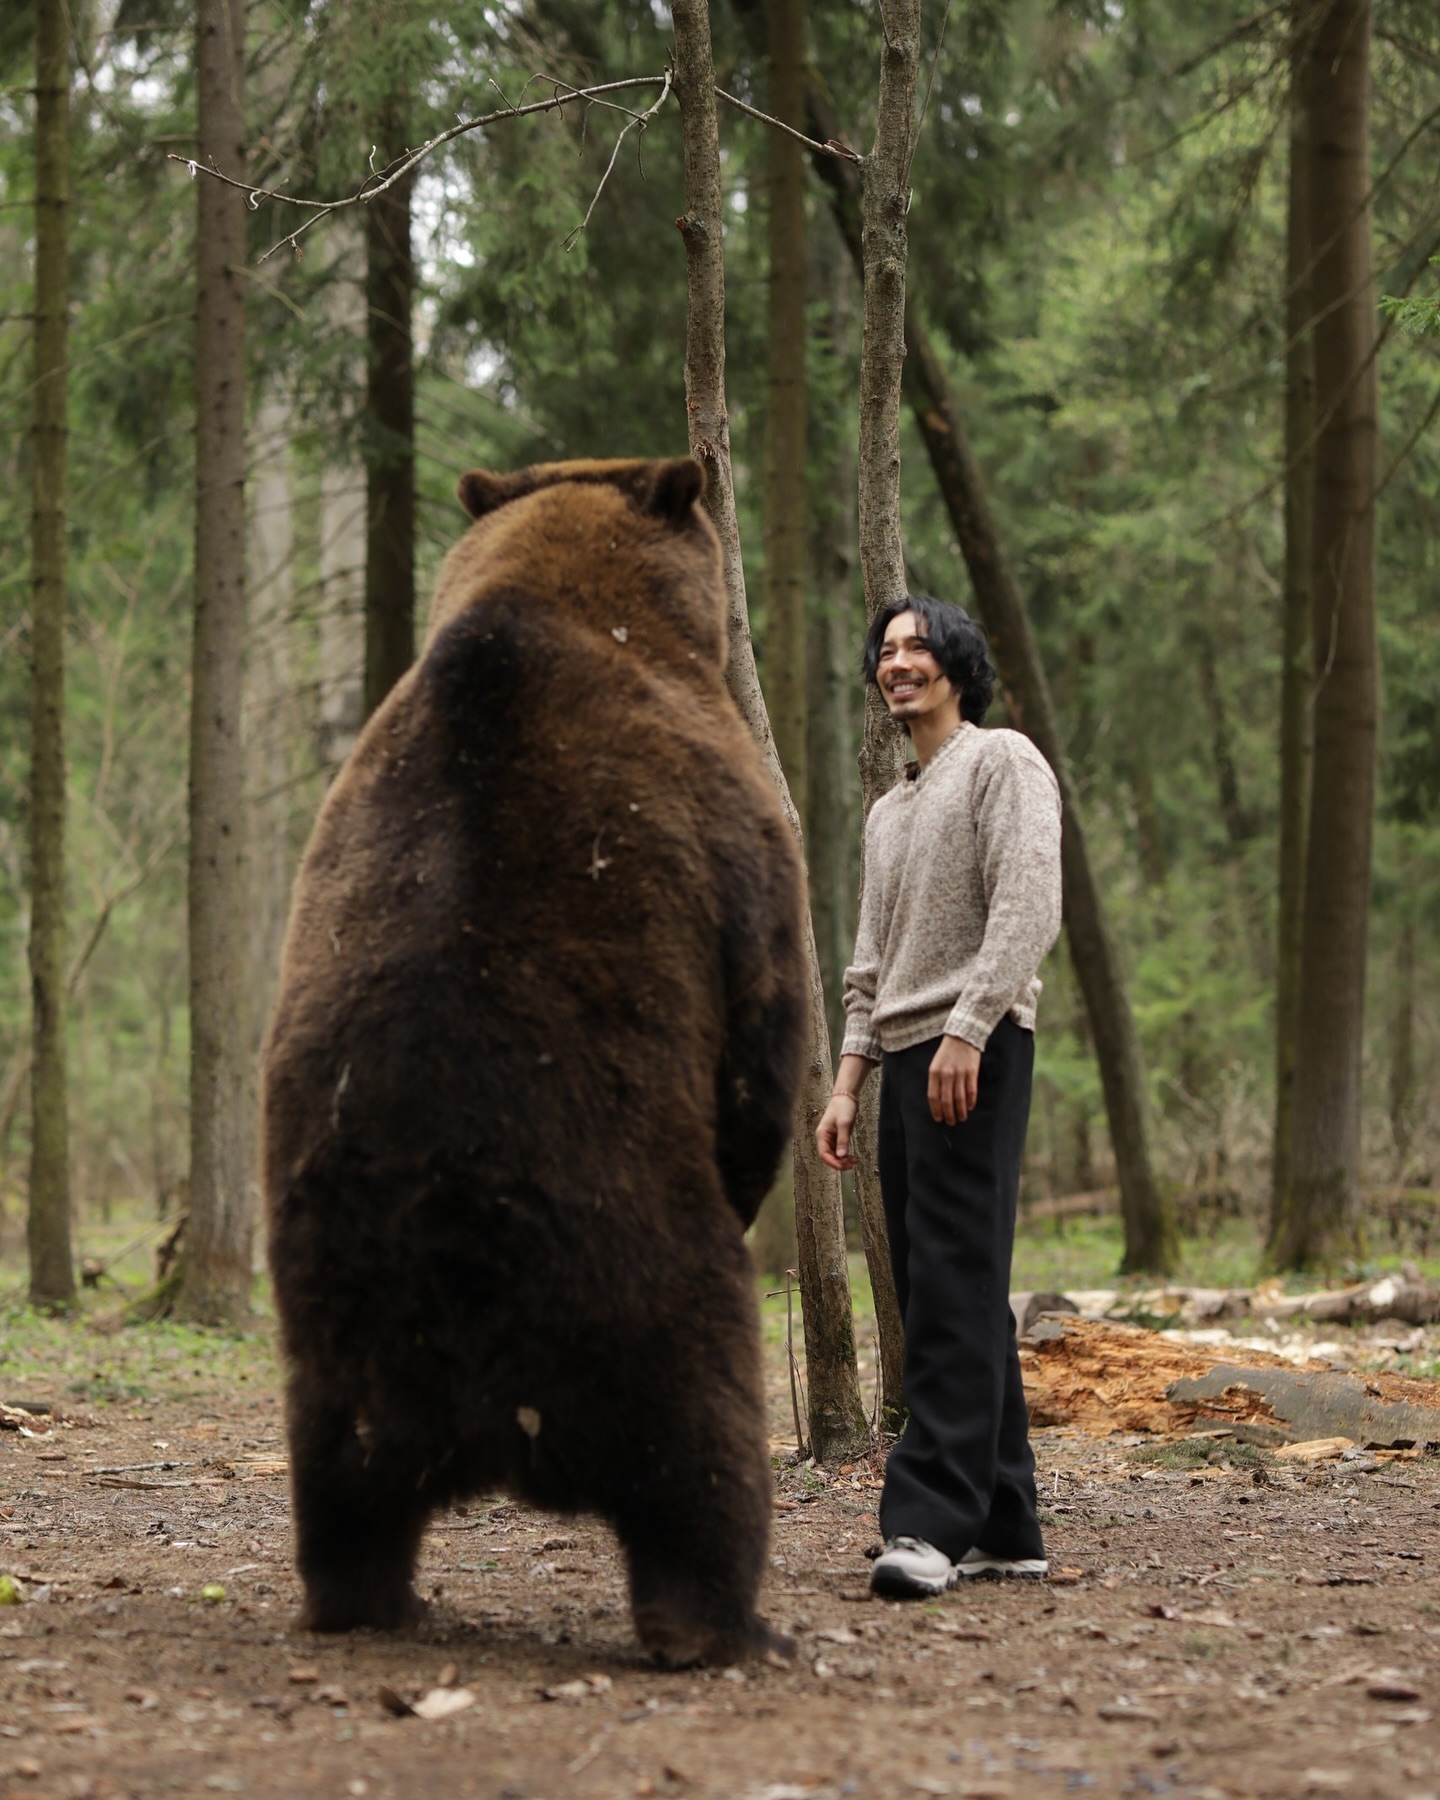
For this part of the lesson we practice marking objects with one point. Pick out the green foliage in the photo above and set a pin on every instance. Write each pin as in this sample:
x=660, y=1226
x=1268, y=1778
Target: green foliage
x=1419, y=315
x=87, y=1362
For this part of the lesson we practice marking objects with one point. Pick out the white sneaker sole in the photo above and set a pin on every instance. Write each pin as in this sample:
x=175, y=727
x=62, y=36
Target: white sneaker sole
x=901, y=1584
x=999, y=1568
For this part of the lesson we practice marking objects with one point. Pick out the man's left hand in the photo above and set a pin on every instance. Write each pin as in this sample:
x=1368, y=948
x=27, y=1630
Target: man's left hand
x=954, y=1081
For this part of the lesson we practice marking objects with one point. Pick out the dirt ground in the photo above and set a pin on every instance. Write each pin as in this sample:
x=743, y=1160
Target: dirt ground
x=1238, y=1630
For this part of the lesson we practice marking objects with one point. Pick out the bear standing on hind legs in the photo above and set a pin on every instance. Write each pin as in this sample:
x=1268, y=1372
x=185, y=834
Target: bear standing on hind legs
x=531, y=1072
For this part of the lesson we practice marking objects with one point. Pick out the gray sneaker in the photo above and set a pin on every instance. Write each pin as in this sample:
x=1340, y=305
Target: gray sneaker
x=911, y=1569
x=981, y=1562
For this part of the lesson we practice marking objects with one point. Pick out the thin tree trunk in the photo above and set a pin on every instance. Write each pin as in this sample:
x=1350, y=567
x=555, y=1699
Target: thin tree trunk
x=1295, y=653
x=342, y=527
x=1322, y=1213
x=883, y=248
x=1151, y=1242
x=52, y=1270
x=836, y=1415
x=389, y=425
x=216, y=1264
x=1227, y=783
x=1402, y=1026
x=270, y=727
x=773, y=1240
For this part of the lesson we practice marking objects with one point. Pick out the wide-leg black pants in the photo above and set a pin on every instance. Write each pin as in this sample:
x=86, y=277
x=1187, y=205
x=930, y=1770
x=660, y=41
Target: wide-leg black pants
x=962, y=1473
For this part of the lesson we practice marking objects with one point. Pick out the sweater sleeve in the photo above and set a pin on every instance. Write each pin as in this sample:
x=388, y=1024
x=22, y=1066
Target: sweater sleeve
x=1017, y=842
x=863, y=973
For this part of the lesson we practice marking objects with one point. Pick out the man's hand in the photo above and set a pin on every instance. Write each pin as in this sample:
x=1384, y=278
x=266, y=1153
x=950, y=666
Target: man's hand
x=954, y=1080
x=832, y=1134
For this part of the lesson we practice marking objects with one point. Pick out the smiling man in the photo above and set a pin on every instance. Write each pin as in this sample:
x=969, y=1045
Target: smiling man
x=961, y=903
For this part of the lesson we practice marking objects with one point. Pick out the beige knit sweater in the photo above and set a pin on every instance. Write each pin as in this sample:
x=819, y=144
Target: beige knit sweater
x=962, y=896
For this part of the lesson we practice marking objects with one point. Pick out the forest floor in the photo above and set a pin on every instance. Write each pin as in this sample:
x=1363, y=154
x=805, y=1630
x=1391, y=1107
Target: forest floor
x=1220, y=1624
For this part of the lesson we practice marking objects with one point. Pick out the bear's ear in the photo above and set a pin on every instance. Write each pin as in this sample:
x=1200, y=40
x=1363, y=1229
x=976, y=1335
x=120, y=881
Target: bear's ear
x=480, y=492
x=674, y=489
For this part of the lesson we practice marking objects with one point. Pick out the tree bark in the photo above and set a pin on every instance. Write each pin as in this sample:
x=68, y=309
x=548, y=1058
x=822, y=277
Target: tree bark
x=1322, y=1211
x=216, y=1263
x=389, y=435
x=1295, y=651
x=1151, y=1242
x=52, y=1268
x=836, y=1415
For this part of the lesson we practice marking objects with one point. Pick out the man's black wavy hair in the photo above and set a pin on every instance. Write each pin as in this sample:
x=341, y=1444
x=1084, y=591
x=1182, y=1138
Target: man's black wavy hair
x=955, y=641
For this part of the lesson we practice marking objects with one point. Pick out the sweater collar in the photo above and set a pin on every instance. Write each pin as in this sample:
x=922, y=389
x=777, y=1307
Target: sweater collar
x=914, y=774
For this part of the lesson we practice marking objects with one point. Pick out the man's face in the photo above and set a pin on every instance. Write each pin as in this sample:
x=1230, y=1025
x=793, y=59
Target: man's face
x=910, y=679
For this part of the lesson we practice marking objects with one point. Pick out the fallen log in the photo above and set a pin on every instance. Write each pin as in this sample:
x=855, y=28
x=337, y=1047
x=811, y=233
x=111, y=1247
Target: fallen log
x=1394, y=1298
x=1103, y=1378
x=1367, y=1303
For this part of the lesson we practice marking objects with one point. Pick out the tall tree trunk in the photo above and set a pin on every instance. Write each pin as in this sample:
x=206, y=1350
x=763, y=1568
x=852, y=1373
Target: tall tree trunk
x=270, y=725
x=52, y=1271
x=1295, y=653
x=1402, y=1024
x=832, y=808
x=342, y=614
x=1151, y=1242
x=1322, y=1213
x=785, y=402
x=836, y=1415
x=342, y=525
x=389, y=423
x=773, y=1240
x=216, y=1266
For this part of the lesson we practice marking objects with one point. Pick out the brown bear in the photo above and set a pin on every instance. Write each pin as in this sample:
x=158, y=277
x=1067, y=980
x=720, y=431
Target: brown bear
x=531, y=1071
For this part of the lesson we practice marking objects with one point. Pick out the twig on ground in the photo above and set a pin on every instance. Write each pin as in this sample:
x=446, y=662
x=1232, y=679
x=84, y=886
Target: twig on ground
x=138, y=1468
x=801, y=1446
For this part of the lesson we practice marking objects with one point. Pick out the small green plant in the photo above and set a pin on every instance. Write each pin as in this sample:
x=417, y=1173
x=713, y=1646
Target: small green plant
x=1200, y=1453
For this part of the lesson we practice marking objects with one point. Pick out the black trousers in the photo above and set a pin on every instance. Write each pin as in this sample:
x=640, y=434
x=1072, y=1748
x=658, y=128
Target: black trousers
x=962, y=1473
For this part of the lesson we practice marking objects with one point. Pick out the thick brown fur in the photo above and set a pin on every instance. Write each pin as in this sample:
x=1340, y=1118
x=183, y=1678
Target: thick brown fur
x=532, y=1068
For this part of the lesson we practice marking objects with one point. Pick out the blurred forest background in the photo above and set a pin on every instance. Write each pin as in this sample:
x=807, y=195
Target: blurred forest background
x=1098, y=254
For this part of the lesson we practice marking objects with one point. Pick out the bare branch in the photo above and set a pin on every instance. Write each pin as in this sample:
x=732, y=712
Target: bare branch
x=320, y=209
x=377, y=182
x=637, y=123
x=835, y=147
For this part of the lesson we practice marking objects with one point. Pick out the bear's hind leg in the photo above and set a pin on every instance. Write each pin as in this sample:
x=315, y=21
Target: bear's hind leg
x=685, y=1602
x=695, y=1521
x=359, y=1517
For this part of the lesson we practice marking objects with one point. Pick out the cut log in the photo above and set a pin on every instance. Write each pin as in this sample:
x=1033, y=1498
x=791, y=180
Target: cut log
x=1103, y=1378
